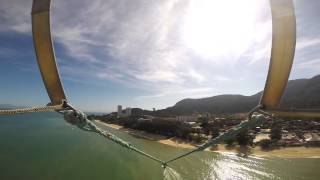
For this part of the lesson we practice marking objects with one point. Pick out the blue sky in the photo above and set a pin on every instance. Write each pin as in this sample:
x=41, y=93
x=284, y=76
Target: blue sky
x=148, y=53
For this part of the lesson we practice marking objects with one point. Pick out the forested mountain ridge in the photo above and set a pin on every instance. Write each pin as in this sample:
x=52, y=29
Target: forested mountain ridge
x=300, y=93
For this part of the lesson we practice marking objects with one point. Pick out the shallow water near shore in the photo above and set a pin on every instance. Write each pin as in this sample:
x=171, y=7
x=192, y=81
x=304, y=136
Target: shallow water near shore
x=43, y=146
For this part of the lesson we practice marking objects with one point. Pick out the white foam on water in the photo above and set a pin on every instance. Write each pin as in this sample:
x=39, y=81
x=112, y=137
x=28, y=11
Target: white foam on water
x=171, y=174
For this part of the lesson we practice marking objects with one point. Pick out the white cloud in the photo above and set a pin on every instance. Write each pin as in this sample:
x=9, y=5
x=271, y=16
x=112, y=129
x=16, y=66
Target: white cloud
x=307, y=42
x=142, y=43
x=310, y=65
x=15, y=15
x=140, y=40
x=179, y=93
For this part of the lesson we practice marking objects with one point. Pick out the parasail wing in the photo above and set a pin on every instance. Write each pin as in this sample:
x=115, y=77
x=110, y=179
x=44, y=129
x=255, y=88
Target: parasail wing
x=282, y=52
x=45, y=52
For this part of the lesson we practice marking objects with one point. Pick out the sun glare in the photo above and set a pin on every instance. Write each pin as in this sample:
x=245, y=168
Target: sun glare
x=215, y=28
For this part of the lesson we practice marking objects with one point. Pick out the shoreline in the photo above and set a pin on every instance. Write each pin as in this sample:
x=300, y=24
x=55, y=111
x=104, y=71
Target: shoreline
x=284, y=152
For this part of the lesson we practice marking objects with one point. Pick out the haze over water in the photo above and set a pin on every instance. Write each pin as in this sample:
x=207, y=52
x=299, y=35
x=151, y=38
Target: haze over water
x=43, y=146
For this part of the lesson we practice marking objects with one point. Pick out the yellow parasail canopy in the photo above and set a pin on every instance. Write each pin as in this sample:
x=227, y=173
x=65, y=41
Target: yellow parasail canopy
x=282, y=52
x=45, y=52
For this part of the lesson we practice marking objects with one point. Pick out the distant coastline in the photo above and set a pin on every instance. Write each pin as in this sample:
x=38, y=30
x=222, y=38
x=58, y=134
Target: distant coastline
x=286, y=152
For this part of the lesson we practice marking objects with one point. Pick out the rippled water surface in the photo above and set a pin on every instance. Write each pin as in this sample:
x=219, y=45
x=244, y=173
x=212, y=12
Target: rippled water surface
x=43, y=146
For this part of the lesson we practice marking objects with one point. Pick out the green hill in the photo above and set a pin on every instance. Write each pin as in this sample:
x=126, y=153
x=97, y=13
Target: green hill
x=300, y=93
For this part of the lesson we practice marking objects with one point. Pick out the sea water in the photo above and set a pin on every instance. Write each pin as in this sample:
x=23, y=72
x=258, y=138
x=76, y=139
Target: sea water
x=43, y=146
x=171, y=174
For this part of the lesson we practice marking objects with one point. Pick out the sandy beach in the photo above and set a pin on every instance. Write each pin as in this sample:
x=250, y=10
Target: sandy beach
x=288, y=152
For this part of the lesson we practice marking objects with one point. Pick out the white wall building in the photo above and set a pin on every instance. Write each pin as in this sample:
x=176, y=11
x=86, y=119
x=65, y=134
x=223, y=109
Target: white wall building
x=128, y=112
x=119, y=110
x=192, y=118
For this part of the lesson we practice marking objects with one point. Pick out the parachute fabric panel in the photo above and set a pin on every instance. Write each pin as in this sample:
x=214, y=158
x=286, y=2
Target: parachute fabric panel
x=44, y=50
x=282, y=52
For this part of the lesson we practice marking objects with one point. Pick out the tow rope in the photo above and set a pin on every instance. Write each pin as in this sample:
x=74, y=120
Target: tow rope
x=79, y=119
x=31, y=110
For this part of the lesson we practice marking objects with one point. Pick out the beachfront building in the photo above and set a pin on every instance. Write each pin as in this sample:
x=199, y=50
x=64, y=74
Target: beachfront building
x=127, y=112
x=119, y=109
x=144, y=120
x=191, y=118
x=312, y=138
